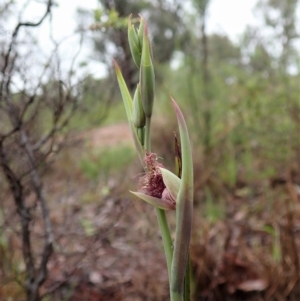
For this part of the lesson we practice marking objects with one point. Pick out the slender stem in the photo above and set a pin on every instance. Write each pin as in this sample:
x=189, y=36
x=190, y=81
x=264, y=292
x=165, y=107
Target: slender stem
x=141, y=133
x=187, y=281
x=147, y=134
x=176, y=296
x=166, y=237
x=161, y=216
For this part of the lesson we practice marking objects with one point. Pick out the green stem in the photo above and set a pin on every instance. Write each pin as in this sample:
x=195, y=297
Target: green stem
x=161, y=216
x=187, y=281
x=141, y=134
x=147, y=134
x=176, y=296
x=166, y=237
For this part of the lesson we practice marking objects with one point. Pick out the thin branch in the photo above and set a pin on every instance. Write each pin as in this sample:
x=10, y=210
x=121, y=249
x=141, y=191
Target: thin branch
x=17, y=191
x=48, y=245
x=14, y=37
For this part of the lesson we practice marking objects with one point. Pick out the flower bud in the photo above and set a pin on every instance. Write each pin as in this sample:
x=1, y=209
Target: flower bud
x=141, y=31
x=138, y=115
x=141, y=135
x=147, y=76
x=134, y=43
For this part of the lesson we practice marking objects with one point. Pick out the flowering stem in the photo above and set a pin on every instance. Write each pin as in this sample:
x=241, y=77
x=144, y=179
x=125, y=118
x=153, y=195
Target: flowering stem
x=187, y=281
x=139, y=111
x=176, y=296
x=166, y=237
x=147, y=134
x=161, y=216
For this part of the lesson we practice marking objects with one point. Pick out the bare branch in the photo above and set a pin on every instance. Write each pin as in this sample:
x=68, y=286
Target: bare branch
x=47, y=250
x=16, y=188
x=14, y=37
x=25, y=146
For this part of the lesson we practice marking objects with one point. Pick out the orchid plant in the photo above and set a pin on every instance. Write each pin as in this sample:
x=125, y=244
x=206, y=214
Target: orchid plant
x=158, y=186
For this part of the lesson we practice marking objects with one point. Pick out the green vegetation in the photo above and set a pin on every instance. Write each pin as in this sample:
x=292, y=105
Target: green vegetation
x=106, y=162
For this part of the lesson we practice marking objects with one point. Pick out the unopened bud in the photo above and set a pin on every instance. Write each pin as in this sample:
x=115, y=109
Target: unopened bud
x=138, y=115
x=141, y=31
x=134, y=43
x=141, y=135
x=147, y=76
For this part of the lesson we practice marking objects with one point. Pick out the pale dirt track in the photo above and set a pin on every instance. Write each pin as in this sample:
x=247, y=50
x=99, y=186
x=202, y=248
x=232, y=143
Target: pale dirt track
x=111, y=135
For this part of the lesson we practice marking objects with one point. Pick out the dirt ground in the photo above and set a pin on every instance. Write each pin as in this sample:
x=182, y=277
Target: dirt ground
x=107, y=136
x=108, y=247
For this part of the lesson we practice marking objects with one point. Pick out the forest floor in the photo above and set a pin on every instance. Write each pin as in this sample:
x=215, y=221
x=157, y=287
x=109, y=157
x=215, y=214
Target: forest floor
x=108, y=247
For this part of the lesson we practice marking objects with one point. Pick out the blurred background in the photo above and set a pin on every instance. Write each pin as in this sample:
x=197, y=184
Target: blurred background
x=69, y=228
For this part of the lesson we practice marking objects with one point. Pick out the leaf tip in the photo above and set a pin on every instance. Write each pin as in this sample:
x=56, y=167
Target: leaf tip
x=117, y=68
x=177, y=109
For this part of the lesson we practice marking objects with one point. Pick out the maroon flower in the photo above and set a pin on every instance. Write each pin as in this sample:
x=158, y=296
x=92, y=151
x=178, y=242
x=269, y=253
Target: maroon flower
x=152, y=182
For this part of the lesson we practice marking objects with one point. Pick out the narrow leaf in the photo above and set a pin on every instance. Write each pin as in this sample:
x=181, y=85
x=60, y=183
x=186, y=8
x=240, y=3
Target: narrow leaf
x=124, y=92
x=184, y=208
x=127, y=100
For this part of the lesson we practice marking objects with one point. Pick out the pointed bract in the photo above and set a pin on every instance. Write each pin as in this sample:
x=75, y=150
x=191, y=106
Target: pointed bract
x=159, y=203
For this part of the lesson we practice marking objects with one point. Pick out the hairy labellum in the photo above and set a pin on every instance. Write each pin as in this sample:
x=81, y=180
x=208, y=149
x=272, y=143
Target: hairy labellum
x=152, y=182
